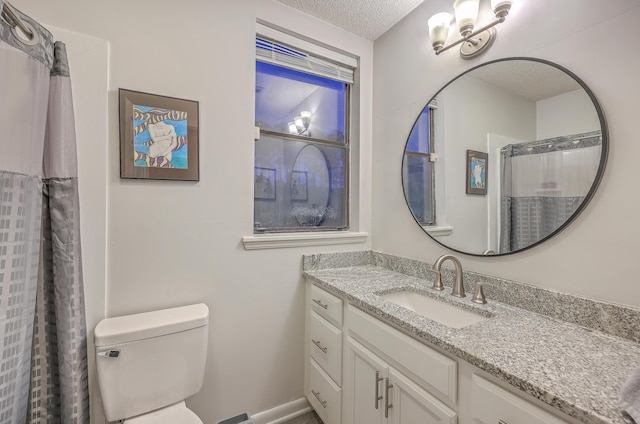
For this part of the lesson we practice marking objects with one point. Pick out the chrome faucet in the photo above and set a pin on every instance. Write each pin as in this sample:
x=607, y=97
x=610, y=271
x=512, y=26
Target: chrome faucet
x=458, y=287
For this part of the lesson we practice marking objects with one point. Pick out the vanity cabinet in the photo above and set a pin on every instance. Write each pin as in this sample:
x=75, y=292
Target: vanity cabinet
x=323, y=348
x=377, y=393
x=397, y=383
x=361, y=370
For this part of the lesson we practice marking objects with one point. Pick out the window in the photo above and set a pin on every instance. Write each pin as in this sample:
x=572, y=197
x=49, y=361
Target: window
x=302, y=156
x=418, y=169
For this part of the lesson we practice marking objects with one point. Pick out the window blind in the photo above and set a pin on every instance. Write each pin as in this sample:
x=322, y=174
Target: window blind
x=279, y=48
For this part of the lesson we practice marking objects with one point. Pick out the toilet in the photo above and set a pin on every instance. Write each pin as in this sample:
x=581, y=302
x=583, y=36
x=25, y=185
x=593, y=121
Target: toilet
x=149, y=363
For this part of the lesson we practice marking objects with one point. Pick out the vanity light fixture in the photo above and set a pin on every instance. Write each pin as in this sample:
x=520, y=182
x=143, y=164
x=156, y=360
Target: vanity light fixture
x=300, y=124
x=473, y=41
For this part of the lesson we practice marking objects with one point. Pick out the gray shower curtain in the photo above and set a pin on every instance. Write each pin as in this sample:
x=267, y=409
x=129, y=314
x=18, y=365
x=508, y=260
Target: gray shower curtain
x=534, y=207
x=43, y=348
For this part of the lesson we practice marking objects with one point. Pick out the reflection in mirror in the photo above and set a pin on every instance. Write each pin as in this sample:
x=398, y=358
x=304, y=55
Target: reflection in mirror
x=546, y=144
x=309, y=188
x=299, y=185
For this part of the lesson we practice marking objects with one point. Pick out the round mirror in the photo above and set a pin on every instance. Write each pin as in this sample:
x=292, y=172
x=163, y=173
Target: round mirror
x=309, y=187
x=505, y=156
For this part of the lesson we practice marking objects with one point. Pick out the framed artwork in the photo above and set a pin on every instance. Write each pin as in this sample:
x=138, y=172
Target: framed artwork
x=299, y=186
x=264, y=183
x=477, y=172
x=158, y=137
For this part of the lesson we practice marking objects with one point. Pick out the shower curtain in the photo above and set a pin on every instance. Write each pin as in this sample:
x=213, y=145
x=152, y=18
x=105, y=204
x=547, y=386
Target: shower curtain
x=542, y=184
x=43, y=360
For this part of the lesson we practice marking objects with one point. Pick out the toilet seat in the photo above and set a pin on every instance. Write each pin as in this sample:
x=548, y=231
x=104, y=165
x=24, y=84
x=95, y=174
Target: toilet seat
x=178, y=413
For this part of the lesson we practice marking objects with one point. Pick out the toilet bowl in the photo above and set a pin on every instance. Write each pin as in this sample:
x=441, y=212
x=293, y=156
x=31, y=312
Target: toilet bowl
x=149, y=363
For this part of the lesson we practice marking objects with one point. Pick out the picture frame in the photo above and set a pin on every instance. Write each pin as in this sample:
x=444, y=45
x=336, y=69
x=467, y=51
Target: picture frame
x=159, y=137
x=477, y=165
x=299, y=189
x=264, y=183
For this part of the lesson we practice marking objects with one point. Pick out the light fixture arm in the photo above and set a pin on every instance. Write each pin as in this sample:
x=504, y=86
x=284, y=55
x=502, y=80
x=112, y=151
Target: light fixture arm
x=473, y=34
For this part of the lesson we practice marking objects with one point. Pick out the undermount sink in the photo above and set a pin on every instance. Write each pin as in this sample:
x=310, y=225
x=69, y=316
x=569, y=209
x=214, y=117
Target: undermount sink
x=433, y=309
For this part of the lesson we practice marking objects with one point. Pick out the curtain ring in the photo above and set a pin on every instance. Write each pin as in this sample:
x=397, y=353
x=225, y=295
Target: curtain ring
x=23, y=36
x=28, y=36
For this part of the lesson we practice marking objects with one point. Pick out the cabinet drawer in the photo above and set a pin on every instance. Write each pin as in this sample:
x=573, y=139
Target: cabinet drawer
x=416, y=359
x=492, y=404
x=325, y=304
x=324, y=395
x=325, y=346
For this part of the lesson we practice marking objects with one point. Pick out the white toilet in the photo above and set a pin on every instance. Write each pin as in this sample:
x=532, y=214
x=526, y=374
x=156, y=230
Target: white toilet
x=149, y=363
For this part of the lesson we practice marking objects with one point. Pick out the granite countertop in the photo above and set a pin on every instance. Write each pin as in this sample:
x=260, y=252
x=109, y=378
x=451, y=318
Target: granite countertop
x=574, y=369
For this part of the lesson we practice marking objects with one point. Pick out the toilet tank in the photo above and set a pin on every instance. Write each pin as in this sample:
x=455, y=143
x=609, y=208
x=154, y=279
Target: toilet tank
x=150, y=360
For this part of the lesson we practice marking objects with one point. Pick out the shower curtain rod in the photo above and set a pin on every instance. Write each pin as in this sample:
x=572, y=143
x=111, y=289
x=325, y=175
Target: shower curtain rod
x=534, y=144
x=9, y=12
x=585, y=137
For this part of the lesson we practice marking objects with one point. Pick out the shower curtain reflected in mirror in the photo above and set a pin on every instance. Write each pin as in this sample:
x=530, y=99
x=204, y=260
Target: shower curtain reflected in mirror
x=43, y=363
x=542, y=185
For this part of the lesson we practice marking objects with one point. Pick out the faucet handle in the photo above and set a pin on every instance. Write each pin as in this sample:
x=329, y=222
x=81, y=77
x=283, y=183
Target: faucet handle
x=478, y=294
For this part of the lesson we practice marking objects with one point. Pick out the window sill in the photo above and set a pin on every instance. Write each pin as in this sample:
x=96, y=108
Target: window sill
x=279, y=241
x=437, y=231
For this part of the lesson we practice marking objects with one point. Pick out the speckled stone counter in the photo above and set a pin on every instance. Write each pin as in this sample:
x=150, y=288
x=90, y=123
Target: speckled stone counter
x=573, y=367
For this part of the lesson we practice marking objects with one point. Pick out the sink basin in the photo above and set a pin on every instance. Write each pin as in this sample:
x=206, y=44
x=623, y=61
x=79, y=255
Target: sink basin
x=433, y=309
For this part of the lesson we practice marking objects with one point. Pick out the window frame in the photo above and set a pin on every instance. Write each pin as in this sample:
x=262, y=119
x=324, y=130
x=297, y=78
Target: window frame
x=432, y=157
x=273, y=35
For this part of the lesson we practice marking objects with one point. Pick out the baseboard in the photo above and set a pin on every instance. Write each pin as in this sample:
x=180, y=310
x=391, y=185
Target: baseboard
x=283, y=413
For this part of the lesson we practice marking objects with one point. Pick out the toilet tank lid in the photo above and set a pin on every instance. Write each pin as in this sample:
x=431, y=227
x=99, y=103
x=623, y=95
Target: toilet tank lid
x=129, y=328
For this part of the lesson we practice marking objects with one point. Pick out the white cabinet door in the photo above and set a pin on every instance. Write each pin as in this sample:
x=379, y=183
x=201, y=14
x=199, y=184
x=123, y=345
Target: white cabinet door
x=411, y=404
x=363, y=386
x=376, y=393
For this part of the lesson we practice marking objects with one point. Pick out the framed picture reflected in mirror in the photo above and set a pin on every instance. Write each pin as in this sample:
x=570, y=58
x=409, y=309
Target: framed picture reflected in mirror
x=477, y=172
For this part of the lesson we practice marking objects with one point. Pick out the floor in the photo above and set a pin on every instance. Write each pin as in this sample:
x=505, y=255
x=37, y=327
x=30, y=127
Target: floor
x=310, y=418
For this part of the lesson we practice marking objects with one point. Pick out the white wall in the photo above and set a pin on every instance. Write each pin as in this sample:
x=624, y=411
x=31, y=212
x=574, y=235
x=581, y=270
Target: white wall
x=471, y=109
x=595, y=256
x=568, y=113
x=175, y=243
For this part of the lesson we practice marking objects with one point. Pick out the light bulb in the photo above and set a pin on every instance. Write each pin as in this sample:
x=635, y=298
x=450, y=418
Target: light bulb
x=306, y=119
x=439, y=29
x=299, y=125
x=466, y=15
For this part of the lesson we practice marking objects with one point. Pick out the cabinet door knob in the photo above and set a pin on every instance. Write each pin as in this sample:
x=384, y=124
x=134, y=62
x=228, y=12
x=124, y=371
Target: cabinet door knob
x=387, y=404
x=319, y=346
x=317, y=395
x=378, y=380
x=319, y=303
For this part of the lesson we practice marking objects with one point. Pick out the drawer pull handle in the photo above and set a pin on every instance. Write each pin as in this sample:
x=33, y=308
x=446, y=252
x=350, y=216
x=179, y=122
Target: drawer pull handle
x=387, y=405
x=319, y=303
x=317, y=395
x=378, y=380
x=319, y=346
x=502, y=422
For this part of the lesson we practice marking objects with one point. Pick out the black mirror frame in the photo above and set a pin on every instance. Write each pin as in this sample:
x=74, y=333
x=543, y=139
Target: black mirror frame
x=596, y=183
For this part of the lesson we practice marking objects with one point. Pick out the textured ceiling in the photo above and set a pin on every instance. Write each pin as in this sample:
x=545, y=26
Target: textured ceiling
x=366, y=18
x=532, y=80
x=372, y=18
